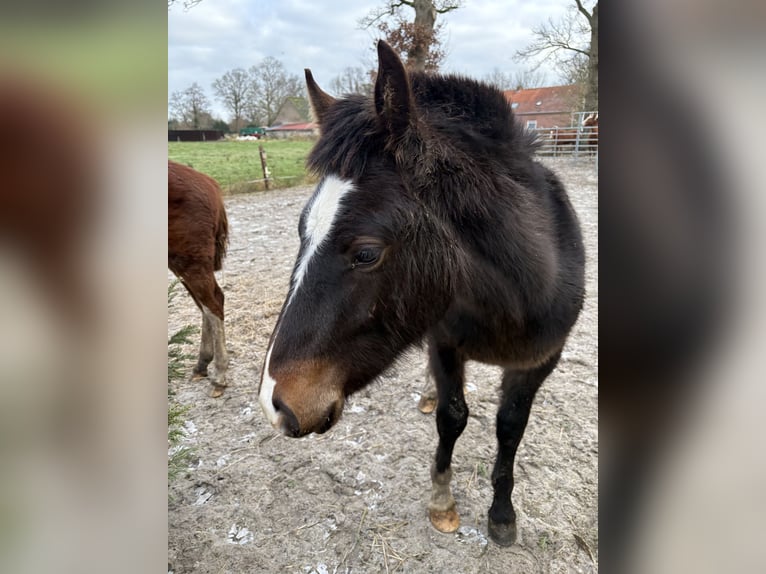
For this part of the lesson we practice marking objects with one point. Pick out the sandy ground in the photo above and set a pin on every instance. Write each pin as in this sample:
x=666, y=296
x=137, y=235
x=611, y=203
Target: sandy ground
x=354, y=499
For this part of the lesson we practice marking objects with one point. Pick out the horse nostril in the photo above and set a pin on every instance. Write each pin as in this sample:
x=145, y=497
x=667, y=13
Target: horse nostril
x=290, y=424
x=330, y=419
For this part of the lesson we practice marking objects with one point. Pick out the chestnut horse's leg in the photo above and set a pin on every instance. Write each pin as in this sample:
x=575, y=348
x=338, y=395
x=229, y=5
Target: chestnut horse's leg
x=518, y=392
x=219, y=340
x=196, y=288
x=209, y=298
x=447, y=366
x=206, y=352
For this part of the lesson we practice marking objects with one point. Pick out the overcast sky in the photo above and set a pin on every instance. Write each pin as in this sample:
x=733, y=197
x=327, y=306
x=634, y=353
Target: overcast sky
x=219, y=35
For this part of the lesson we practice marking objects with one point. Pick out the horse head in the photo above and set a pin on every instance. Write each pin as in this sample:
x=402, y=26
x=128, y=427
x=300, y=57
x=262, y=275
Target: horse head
x=366, y=248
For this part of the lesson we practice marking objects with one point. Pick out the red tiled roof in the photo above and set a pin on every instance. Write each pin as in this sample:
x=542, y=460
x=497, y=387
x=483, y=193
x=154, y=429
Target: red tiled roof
x=293, y=127
x=553, y=99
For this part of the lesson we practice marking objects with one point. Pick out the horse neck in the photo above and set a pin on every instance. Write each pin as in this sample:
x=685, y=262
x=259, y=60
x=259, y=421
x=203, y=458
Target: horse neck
x=494, y=225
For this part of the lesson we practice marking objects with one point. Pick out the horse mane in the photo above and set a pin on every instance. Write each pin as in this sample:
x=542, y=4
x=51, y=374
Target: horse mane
x=456, y=120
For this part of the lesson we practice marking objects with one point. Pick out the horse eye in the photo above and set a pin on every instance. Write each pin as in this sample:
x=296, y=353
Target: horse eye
x=366, y=256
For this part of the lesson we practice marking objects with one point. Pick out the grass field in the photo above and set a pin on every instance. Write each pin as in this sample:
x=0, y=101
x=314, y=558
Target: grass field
x=235, y=163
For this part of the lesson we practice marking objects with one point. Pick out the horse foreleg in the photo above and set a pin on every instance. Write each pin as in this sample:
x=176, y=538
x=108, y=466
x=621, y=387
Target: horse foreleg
x=209, y=298
x=518, y=392
x=447, y=367
x=427, y=402
x=221, y=360
x=206, y=349
x=218, y=380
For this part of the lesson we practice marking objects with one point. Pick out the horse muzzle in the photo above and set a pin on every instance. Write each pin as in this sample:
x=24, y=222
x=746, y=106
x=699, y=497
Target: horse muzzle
x=302, y=399
x=293, y=427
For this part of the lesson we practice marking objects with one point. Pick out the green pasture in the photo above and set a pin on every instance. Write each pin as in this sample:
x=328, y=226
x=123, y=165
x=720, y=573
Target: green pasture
x=235, y=163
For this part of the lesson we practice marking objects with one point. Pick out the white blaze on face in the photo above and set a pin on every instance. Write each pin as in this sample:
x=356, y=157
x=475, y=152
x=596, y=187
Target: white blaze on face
x=319, y=222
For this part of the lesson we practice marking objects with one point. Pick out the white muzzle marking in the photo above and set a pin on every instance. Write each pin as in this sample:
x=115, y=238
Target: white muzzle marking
x=267, y=392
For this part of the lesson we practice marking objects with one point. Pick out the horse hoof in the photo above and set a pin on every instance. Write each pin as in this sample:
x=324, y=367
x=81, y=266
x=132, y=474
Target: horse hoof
x=502, y=534
x=427, y=404
x=198, y=376
x=217, y=391
x=444, y=520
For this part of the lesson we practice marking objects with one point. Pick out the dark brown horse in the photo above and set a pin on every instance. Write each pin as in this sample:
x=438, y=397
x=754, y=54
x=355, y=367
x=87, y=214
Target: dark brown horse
x=431, y=222
x=197, y=240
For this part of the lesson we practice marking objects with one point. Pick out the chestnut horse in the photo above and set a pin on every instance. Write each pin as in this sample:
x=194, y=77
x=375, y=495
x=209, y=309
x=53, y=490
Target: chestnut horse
x=563, y=139
x=431, y=221
x=574, y=139
x=52, y=189
x=197, y=241
x=591, y=133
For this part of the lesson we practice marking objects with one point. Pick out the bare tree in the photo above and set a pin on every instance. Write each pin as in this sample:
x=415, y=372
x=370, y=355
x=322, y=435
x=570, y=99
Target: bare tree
x=233, y=90
x=191, y=107
x=421, y=35
x=572, y=42
x=352, y=80
x=270, y=85
x=499, y=79
x=186, y=3
x=526, y=79
x=519, y=80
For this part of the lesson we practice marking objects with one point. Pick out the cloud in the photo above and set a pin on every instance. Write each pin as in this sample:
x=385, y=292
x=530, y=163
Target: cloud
x=219, y=35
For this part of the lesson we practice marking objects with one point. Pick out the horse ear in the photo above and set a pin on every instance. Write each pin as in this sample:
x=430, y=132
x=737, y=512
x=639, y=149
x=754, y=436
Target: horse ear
x=319, y=100
x=393, y=95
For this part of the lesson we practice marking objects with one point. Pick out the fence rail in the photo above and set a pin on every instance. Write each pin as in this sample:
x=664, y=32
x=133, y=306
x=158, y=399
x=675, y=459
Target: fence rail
x=570, y=141
x=579, y=139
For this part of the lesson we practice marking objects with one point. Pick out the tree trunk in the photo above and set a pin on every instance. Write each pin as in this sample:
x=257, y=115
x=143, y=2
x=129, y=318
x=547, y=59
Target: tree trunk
x=425, y=18
x=195, y=117
x=591, y=89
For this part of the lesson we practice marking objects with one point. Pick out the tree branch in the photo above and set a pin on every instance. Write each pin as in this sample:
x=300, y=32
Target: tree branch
x=389, y=10
x=186, y=3
x=375, y=15
x=392, y=8
x=551, y=38
x=447, y=6
x=571, y=49
x=584, y=12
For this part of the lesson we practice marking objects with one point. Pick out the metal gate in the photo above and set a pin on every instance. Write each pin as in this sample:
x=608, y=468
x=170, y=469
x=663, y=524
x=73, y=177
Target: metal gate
x=576, y=140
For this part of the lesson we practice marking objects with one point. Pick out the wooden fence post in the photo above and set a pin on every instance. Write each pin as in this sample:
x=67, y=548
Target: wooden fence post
x=262, y=153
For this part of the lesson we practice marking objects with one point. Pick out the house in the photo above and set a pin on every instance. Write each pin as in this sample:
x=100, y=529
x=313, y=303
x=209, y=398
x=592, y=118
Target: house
x=292, y=111
x=293, y=119
x=544, y=107
x=298, y=129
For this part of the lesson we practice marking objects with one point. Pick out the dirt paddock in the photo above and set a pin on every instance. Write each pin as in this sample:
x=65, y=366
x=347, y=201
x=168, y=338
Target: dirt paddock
x=354, y=499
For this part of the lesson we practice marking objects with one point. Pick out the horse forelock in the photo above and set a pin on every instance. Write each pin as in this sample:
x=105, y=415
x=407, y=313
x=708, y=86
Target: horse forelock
x=349, y=137
x=457, y=125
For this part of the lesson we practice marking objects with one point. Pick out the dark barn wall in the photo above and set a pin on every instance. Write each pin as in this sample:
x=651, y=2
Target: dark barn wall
x=194, y=135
